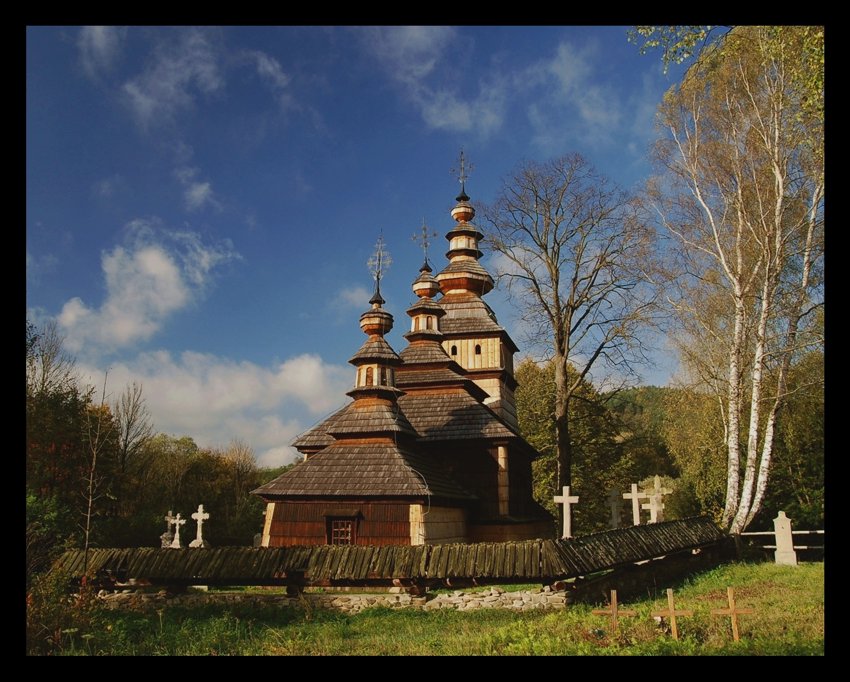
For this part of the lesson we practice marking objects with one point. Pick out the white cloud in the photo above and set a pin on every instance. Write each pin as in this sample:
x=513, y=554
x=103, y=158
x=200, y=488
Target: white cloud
x=179, y=70
x=272, y=73
x=98, y=47
x=411, y=55
x=196, y=194
x=577, y=106
x=352, y=297
x=215, y=399
x=155, y=275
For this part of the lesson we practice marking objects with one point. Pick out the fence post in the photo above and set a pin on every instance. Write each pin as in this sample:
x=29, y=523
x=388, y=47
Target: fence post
x=785, y=554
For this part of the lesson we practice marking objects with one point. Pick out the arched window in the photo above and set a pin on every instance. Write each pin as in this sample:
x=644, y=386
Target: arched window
x=478, y=349
x=454, y=350
x=429, y=322
x=370, y=376
x=383, y=376
x=416, y=324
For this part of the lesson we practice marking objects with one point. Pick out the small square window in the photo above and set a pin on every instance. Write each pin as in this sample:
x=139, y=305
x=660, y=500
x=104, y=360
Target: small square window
x=341, y=531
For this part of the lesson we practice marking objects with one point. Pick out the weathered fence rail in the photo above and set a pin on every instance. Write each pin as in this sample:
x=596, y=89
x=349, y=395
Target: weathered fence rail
x=785, y=553
x=530, y=560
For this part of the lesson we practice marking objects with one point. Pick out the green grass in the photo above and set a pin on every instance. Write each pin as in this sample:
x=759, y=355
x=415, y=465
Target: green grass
x=788, y=619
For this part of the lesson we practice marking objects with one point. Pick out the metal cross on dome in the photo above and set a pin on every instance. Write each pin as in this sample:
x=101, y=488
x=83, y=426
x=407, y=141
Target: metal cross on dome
x=380, y=261
x=423, y=238
x=463, y=170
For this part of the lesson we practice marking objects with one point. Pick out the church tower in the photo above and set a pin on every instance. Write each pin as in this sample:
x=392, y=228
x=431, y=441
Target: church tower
x=472, y=336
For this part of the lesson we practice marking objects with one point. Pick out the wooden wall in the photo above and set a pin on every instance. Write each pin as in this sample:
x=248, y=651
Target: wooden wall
x=435, y=525
x=305, y=522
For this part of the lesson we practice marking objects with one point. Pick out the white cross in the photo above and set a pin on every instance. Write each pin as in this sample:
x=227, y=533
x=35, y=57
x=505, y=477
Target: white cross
x=200, y=517
x=635, y=496
x=566, y=500
x=615, y=503
x=656, y=501
x=169, y=519
x=177, y=523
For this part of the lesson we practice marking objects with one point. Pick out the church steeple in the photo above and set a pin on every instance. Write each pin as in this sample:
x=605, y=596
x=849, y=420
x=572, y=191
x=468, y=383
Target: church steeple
x=464, y=274
x=376, y=360
x=471, y=335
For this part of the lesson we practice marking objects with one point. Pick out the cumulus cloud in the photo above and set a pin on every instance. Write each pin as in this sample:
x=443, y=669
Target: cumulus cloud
x=180, y=70
x=411, y=55
x=98, y=48
x=156, y=274
x=215, y=399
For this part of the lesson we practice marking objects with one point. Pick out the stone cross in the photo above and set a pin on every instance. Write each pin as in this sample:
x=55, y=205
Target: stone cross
x=566, y=499
x=785, y=554
x=615, y=504
x=671, y=613
x=167, y=537
x=177, y=523
x=200, y=516
x=656, y=501
x=614, y=612
x=635, y=497
x=732, y=612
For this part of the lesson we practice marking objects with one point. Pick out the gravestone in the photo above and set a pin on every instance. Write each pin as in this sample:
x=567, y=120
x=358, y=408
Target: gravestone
x=566, y=499
x=200, y=516
x=167, y=537
x=635, y=497
x=177, y=523
x=785, y=554
x=656, y=501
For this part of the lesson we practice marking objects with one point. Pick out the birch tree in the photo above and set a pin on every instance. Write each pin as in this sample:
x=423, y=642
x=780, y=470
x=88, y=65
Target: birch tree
x=742, y=197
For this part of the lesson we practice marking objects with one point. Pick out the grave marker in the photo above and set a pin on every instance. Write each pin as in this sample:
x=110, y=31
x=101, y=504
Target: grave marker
x=200, y=516
x=671, y=614
x=614, y=612
x=566, y=499
x=732, y=612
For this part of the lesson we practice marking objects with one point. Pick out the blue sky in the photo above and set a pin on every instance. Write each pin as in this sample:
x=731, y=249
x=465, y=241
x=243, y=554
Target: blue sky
x=201, y=202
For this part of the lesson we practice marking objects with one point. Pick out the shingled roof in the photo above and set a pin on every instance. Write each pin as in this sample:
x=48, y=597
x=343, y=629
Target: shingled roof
x=365, y=470
x=360, y=418
x=376, y=349
x=452, y=416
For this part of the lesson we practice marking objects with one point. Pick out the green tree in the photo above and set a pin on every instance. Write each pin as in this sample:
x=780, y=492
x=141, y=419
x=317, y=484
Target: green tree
x=600, y=461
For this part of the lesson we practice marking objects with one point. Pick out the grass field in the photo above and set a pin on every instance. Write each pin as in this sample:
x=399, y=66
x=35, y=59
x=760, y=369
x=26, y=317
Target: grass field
x=788, y=619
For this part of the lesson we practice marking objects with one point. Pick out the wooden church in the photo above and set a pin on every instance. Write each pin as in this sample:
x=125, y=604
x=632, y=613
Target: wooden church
x=428, y=450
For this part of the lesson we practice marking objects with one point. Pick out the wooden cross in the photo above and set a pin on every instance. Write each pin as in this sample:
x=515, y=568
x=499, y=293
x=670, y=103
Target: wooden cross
x=732, y=612
x=175, y=544
x=656, y=501
x=615, y=503
x=424, y=239
x=614, y=612
x=671, y=613
x=566, y=499
x=463, y=170
x=635, y=497
x=200, y=516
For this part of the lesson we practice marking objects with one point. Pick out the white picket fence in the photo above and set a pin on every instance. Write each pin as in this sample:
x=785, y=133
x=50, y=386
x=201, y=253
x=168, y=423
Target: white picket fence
x=785, y=548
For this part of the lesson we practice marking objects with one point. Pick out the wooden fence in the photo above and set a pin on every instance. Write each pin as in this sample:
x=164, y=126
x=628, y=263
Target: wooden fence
x=526, y=561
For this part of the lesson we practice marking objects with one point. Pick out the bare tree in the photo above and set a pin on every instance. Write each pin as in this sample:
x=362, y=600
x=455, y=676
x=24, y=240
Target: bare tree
x=743, y=199
x=99, y=427
x=133, y=423
x=574, y=254
x=49, y=367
